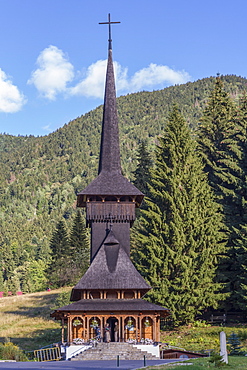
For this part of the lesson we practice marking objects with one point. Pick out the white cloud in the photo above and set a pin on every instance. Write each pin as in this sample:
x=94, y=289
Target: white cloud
x=11, y=99
x=53, y=73
x=151, y=77
x=155, y=75
x=47, y=128
x=94, y=82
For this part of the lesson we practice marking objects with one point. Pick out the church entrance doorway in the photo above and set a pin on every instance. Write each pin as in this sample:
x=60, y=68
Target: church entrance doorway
x=114, y=325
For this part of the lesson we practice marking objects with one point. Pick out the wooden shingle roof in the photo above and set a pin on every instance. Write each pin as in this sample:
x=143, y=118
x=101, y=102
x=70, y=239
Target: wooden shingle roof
x=111, y=184
x=113, y=305
x=110, y=269
x=109, y=149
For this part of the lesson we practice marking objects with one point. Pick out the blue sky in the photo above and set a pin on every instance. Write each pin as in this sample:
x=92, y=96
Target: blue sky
x=53, y=52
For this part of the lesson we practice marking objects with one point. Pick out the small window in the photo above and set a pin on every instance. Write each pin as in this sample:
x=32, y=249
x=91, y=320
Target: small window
x=95, y=295
x=129, y=295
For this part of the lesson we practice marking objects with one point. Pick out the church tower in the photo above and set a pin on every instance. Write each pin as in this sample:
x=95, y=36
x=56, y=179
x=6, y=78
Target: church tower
x=110, y=199
x=111, y=289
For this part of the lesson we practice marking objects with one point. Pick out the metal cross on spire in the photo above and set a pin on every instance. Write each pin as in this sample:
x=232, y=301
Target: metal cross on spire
x=109, y=23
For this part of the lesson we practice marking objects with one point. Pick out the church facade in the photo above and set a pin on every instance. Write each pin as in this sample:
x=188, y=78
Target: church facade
x=109, y=295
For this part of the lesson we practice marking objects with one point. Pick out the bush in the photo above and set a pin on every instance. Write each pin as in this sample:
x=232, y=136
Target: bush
x=216, y=359
x=9, y=351
x=234, y=344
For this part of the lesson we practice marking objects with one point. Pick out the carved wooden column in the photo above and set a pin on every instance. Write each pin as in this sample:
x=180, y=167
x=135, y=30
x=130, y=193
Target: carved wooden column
x=101, y=328
x=158, y=328
x=120, y=329
x=70, y=329
x=154, y=329
x=137, y=326
x=62, y=330
x=123, y=318
x=87, y=328
x=141, y=327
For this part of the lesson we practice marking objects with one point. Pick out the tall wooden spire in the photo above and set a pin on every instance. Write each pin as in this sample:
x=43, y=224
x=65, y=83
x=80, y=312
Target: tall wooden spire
x=109, y=150
x=110, y=181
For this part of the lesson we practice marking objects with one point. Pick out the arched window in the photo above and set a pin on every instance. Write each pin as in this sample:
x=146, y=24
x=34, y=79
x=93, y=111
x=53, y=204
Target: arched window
x=130, y=328
x=94, y=325
x=77, y=330
x=147, y=328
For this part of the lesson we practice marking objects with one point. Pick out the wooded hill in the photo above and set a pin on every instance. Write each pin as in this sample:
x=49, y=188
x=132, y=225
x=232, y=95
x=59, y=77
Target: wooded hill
x=40, y=176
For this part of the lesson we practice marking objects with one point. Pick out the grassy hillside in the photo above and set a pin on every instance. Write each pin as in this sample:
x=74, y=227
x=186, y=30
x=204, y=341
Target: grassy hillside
x=25, y=320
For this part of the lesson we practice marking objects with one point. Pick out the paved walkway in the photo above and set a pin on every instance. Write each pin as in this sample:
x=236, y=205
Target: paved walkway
x=90, y=365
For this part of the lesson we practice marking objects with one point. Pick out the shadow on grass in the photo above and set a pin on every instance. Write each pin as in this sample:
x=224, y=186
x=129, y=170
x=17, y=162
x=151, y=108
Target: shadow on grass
x=46, y=307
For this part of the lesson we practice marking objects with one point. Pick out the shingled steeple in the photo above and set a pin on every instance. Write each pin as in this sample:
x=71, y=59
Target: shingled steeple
x=110, y=181
x=109, y=149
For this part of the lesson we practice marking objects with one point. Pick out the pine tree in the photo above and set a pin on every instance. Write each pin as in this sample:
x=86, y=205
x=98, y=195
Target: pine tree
x=58, y=272
x=212, y=135
x=238, y=249
x=179, y=239
x=144, y=164
x=219, y=138
x=79, y=248
x=235, y=345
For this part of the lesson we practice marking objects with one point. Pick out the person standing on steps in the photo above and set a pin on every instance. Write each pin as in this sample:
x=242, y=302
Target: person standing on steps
x=97, y=332
x=116, y=330
x=107, y=333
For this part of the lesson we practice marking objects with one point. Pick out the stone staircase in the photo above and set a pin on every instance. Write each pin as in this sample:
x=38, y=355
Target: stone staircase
x=110, y=351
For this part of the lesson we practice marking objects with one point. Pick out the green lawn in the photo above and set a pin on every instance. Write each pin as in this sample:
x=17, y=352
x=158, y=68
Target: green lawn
x=205, y=337
x=234, y=362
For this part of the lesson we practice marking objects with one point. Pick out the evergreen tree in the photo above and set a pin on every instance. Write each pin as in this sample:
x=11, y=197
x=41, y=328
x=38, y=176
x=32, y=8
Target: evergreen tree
x=238, y=250
x=144, y=164
x=79, y=248
x=212, y=135
x=179, y=239
x=235, y=345
x=58, y=271
x=221, y=137
x=8, y=266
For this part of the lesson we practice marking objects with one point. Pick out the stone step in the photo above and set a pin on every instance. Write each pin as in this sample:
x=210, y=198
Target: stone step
x=110, y=351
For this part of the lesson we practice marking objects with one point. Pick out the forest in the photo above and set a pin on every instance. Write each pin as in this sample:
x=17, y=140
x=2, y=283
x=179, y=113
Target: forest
x=40, y=177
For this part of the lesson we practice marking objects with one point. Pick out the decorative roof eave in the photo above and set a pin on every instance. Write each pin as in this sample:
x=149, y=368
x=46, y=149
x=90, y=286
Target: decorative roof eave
x=112, y=305
x=105, y=185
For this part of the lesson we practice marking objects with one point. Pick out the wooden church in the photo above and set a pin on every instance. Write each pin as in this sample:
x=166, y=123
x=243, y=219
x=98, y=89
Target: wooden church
x=110, y=292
